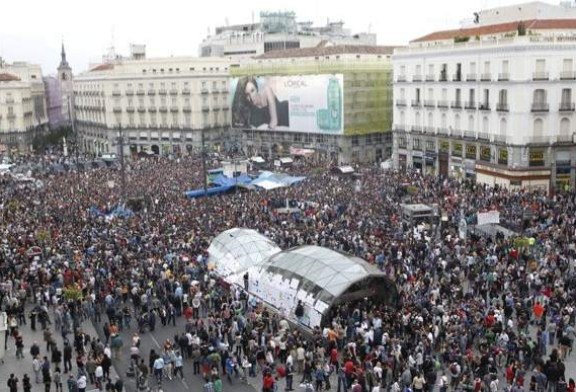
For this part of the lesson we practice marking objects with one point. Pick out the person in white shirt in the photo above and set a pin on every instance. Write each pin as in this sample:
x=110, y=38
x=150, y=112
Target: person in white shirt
x=82, y=383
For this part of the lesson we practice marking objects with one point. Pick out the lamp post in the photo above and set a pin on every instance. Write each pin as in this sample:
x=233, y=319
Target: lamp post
x=122, y=168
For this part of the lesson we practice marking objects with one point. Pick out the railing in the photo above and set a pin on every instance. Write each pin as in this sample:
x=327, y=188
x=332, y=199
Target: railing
x=456, y=105
x=9, y=100
x=486, y=77
x=174, y=109
x=129, y=92
x=173, y=91
x=429, y=129
x=430, y=78
x=204, y=90
x=140, y=92
x=503, y=77
x=400, y=128
x=416, y=103
x=442, y=104
x=564, y=139
x=500, y=138
x=186, y=91
x=417, y=78
x=116, y=93
x=567, y=75
x=483, y=136
x=470, y=105
x=152, y=109
x=540, y=76
x=416, y=128
x=443, y=77
x=457, y=77
x=540, y=107
x=187, y=109
x=163, y=109
x=400, y=102
x=130, y=109
x=443, y=131
x=117, y=109
x=141, y=109
x=205, y=108
x=162, y=91
x=502, y=107
x=400, y=78
x=429, y=103
x=470, y=134
x=566, y=107
x=471, y=77
x=484, y=106
x=151, y=92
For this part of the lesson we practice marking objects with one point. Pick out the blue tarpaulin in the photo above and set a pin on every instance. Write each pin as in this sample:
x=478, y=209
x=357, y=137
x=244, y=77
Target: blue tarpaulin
x=209, y=192
x=222, y=180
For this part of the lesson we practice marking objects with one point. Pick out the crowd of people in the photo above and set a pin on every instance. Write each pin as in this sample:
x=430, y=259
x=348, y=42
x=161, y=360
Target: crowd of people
x=476, y=314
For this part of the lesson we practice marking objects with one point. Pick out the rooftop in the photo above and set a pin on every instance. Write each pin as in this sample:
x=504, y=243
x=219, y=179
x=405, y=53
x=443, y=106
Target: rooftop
x=6, y=77
x=328, y=50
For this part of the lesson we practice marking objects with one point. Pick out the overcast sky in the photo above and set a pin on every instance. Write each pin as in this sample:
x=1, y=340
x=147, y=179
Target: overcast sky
x=32, y=30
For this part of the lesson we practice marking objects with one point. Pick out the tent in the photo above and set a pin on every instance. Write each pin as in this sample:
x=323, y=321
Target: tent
x=257, y=159
x=208, y=192
x=346, y=169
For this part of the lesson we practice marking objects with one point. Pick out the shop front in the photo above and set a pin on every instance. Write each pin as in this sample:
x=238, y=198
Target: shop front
x=563, y=171
x=417, y=161
x=430, y=163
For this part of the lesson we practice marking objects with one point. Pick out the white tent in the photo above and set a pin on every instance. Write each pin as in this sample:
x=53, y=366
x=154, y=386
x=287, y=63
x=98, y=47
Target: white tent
x=257, y=159
x=346, y=169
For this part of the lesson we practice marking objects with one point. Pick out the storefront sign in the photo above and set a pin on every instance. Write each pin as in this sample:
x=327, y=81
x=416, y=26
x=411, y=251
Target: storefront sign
x=457, y=149
x=485, y=154
x=444, y=146
x=471, y=151
x=502, y=156
x=536, y=158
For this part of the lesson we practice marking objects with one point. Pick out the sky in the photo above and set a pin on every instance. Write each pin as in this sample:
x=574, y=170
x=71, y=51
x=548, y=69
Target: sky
x=33, y=30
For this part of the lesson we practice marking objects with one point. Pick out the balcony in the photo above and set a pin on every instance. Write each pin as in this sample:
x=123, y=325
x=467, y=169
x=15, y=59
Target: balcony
x=215, y=108
x=163, y=109
x=416, y=128
x=151, y=92
x=140, y=92
x=129, y=92
x=429, y=129
x=539, y=107
x=400, y=128
x=456, y=105
x=225, y=107
x=443, y=131
x=416, y=103
x=141, y=109
x=224, y=90
x=116, y=93
x=205, y=108
x=540, y=76
x=471, y=105
x=186, y=91
x=204, y=90
x=9, y=100
x=442, y=104
x=400, y=102
x=503, y=77
x=469, y=135
x=471, y=77
x=502, y=107
x=130, y=109
x=484, y=106
x=10, y=116
x=173, y=91
x=429, y=103
x=187, y=109
x=173, y=109
x=457, y=77
x=430, y=78
x=152, y=109
x=486, y=77
x=443, y=77
x=162, y=91
x=567, y=75
x=566, y=107
x=417, y=78
x=483, y=136
x=401, y=79
x=117, y=109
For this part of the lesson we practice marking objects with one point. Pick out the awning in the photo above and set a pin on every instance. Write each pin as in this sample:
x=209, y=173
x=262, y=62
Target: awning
x=346, y=169
x=286, y=160
x=257, y=159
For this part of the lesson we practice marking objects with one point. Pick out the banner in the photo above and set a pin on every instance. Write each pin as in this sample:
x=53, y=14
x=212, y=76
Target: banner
x=302, y=103
x=486, y=218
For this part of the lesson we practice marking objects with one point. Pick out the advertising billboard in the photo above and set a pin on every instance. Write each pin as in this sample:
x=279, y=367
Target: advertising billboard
x=302, y=103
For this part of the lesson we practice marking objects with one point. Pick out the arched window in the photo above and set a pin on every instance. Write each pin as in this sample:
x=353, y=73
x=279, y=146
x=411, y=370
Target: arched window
x=443, y=121
x=485, y=125
x=471, y=123
x=538, y=128
x=430, y=119
x=503, y=127
x=402, y=118
x=417, y=119
x=565, y=127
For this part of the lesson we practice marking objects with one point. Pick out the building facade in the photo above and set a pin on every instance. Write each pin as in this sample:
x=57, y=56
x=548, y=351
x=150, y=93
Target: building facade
x=22, y=105
x=164, y=106
x=366, y=93
x=60, y=94
x=277, y=31
x=494, y=102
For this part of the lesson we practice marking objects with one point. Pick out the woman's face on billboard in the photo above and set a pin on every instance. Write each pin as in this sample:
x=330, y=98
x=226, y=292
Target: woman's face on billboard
x=251, y=93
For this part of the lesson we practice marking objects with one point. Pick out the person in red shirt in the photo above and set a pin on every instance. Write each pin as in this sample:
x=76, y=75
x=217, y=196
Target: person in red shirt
x=334, y=357
x=268, y=382
x=349, y=372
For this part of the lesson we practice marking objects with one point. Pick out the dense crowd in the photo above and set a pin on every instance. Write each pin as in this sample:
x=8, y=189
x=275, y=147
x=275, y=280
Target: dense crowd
x=467, y=314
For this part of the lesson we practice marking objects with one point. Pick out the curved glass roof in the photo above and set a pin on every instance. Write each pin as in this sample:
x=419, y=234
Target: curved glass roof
x=325, y=272
x=236, y=250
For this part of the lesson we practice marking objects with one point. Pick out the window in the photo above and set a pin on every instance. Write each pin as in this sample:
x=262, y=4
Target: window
x=503, y=97
x=539, y=96
x=566, y=96
x=458, y=97
x=417, y=144
x=565, y=127
x=471, y=96
x=418, y=70
x=538, y=128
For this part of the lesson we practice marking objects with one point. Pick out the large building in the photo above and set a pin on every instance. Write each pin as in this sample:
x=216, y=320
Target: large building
x=493, y=101
x=172, y=105
x=22, y=104
x=277, y=31
x=332, y=101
